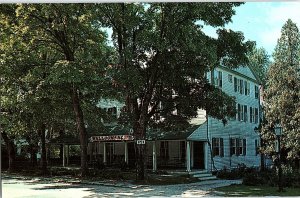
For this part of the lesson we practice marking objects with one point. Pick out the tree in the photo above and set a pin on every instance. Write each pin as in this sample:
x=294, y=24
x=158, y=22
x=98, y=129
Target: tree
x=76, y=67
x=163, y=58
x=259, y=61
x=282, y=96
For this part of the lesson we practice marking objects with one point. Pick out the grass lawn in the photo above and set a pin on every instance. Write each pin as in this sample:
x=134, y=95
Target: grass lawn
x=244, y=191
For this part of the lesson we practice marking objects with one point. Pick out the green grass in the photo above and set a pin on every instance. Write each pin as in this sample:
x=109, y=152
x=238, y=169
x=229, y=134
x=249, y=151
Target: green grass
x=244, y=191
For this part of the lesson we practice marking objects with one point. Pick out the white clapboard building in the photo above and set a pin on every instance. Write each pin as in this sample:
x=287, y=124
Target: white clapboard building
x=207, y=145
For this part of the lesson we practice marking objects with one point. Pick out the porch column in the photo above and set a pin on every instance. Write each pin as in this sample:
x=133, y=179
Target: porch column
x=64, y=153
x=104, y=152
x=188, y=156
x=68, y=153
x=126, y=152
x=206, y=155
x=154, y=163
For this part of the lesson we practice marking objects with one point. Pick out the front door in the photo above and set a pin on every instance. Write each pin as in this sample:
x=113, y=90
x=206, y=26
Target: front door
x=198, y=155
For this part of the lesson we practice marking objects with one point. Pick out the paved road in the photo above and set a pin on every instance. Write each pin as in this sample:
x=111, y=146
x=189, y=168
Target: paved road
x=25, y=188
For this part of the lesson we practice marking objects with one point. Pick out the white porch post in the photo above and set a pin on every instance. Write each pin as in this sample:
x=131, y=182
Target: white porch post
x=206, y=155
x=188, y=156
x=64, y=153
x=104, y=152
x=154, y=163
x=126, y=152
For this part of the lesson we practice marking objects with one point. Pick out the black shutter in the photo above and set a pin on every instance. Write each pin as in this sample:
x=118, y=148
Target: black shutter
x=221, y=147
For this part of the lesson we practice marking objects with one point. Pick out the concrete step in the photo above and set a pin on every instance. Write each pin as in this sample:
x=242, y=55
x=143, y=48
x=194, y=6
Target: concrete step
x=203, y=175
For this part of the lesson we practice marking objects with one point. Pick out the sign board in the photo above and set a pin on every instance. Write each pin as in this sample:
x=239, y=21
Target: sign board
x=111, y=138
x=140, y=142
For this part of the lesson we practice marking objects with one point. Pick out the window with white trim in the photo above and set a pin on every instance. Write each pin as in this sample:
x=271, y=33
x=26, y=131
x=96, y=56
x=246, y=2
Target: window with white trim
x=238, y=146
x=218, y=147
x=230, y=78
x=164, y=150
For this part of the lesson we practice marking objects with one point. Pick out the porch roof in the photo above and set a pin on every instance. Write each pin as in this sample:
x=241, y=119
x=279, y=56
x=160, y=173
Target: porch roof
x=171, y=135
x=151, y=134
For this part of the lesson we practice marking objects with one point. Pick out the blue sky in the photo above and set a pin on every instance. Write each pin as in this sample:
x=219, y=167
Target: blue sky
x=262, y=21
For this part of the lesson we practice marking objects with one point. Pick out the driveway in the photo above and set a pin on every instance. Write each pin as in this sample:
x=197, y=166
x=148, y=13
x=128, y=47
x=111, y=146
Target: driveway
x=36, y=187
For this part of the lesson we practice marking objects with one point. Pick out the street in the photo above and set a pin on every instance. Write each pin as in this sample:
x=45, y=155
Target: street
x=25, y=188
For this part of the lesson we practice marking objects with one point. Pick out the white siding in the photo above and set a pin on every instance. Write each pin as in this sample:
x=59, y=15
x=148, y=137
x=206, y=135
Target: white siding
x=234, y=128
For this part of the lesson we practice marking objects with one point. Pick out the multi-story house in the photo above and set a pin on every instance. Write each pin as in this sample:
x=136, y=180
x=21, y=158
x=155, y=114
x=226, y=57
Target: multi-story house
x=208, y=144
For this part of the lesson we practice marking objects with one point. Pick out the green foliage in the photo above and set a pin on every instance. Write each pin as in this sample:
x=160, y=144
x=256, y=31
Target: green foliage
x=282, y=96
x=259, y=61
x=163, y=57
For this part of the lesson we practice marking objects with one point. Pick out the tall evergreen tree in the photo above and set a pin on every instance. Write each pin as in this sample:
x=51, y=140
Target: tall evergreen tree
x=259, y=61
x=282, y=97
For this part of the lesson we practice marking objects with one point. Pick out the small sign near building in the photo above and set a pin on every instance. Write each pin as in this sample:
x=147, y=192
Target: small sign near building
x=140, y=142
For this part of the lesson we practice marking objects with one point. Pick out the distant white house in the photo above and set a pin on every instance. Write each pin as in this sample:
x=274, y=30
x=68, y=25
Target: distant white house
x=207, y=144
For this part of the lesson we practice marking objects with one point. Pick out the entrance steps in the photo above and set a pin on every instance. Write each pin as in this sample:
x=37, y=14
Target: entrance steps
x=202, y=175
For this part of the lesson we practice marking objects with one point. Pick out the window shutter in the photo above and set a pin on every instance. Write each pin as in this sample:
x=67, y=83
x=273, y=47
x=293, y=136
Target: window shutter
x=213, y=146
x=221, y=147
x=235, y=84
x=231, y=146
x=250, y=114
x=237, y=143
x=244, y=147
x=245, y=113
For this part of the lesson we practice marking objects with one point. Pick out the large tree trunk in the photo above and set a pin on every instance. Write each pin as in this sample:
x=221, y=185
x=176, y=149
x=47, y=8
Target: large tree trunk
x=139, y=133
x=61, y=146
x=33, y=152
x=82, y=131
x=10, y=146
x=43, y=154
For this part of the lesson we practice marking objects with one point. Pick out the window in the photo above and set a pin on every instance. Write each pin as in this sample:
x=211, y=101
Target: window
x=237, y=146
x=251, y=114
x=256, y=116
x=242, y=112
x=235, y=82
x=256, y=91
x=247, y=88
x=241, y=147
x=218, y=147
x=241, y=87
x=112, y=111
x=218, y=78
x=230, y=78
x=238, y=85
x=164, y=150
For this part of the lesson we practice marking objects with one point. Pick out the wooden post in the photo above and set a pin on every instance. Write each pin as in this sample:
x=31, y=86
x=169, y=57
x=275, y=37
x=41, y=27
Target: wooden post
x=126, y=152
x=68, y=153
x=154, y=157
x=188, y=156
x=64, y=153
x=104, y=152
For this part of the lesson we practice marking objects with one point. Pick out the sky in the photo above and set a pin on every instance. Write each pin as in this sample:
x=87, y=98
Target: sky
x=262, y=21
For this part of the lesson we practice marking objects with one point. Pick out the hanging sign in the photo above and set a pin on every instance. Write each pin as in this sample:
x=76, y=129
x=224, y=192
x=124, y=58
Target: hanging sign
x=111, y=138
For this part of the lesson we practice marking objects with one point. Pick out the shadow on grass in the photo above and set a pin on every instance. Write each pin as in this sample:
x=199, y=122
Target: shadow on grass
x=243, y=191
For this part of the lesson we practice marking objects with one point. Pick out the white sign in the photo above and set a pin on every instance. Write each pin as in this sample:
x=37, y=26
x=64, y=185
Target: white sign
x=140, y=142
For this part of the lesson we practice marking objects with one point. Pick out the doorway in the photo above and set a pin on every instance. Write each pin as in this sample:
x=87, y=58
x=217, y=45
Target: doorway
x=198, y=152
